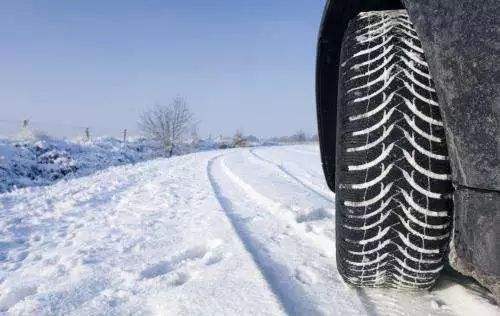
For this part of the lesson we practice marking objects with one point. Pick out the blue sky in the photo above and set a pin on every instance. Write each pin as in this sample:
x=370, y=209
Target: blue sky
x=239, y=64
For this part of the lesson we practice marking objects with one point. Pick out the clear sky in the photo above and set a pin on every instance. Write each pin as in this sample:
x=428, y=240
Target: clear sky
x=240, y=64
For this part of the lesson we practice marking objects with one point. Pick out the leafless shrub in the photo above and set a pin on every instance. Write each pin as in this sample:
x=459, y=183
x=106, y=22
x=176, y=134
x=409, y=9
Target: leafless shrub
x=167, y=124
x=239, y=140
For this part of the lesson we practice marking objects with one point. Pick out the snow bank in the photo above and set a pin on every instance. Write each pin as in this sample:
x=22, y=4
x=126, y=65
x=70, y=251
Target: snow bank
x=41, y=160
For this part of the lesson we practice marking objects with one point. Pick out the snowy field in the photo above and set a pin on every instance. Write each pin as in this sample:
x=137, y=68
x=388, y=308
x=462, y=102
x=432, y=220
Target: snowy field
x=236, y=232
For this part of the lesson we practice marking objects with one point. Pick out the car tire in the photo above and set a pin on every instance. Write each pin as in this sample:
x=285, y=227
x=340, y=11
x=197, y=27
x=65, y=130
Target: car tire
x=393, y=187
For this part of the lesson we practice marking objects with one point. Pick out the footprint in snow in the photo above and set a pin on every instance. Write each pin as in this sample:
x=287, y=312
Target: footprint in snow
x=36, y=239
x=305, y=275
x=157, y=270
x=181, y=278
x=188, y=260
x=314, y=215
x=21, y=255
x=214, y=259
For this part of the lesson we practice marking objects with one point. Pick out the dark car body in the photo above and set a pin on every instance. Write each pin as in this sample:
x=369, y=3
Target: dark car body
x=461, y=40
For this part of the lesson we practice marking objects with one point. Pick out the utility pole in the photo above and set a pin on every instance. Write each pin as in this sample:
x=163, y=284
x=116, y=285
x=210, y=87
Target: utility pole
x=87, y=134
x=124, y=136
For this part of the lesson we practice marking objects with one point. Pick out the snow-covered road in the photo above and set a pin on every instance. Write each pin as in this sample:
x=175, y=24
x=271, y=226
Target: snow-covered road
x=237, y=232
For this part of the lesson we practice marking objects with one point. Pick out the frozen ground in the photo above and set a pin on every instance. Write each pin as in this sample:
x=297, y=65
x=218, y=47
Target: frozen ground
x=237, y=232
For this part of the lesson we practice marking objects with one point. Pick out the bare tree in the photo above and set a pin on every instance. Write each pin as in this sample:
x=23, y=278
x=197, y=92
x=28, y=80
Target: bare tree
x=239, y=140
x=167, y=124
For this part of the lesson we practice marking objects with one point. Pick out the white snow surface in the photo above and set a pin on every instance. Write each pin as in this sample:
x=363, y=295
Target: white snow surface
x=236, y=232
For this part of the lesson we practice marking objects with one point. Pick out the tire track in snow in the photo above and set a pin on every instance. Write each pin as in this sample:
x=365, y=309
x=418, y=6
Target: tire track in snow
x=301, y=151
x=311, y=187
x=299, y=297
x=278, y=210
x=290, y=298
x=367, y=302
